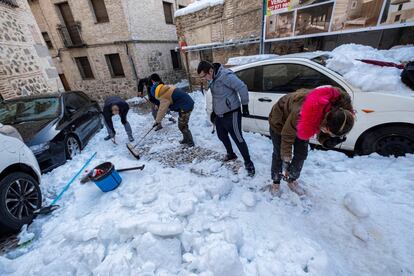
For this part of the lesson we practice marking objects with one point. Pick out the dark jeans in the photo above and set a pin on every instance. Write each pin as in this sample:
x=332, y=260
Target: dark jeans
x=300, y=153
x=230, y=123
x=183, y=120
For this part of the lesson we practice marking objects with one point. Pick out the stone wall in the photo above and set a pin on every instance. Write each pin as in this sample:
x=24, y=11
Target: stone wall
x=26, y=67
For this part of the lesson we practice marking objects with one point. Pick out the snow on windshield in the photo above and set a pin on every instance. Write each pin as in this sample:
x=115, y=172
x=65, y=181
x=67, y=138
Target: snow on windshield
x=367, y=77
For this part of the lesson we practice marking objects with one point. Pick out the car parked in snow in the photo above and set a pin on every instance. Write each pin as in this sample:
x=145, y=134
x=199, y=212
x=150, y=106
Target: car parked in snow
x=55, y=127
x=385, y=122
x=20, y=193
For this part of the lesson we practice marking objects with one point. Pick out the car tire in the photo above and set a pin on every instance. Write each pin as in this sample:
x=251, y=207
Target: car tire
x=388, y=141
x=72, y=147
x=17, y=206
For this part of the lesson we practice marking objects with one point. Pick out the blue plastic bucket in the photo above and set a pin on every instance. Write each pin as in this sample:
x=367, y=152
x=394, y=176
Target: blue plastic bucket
x=108, y=181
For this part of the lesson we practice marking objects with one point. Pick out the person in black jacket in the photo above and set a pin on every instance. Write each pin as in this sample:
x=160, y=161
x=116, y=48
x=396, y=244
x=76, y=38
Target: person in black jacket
x=114, y=105
x=148, y=83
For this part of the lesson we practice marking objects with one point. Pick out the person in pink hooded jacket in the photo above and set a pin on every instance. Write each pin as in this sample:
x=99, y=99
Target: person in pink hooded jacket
x=325, y=111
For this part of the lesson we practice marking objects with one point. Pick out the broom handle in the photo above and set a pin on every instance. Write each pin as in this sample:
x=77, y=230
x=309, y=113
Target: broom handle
x=131, y=169
x=142, y=139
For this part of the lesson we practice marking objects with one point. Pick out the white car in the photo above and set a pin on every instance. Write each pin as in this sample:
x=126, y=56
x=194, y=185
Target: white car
x=385, y=122
x=20, y=193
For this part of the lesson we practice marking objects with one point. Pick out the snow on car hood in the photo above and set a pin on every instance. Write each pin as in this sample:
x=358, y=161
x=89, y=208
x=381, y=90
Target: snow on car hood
x=367, y=77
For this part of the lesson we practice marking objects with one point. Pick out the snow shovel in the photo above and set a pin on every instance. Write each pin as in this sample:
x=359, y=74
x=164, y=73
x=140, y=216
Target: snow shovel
x=88, y=176
x=52, y=207
x=132, y=148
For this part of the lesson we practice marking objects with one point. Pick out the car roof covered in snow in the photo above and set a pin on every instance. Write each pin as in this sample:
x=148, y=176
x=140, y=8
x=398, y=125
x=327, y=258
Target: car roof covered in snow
x=39, y=96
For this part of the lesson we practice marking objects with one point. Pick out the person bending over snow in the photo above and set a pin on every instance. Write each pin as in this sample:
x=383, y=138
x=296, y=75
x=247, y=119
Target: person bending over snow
x=114, y=105
x=326, y=111
x=176, y=100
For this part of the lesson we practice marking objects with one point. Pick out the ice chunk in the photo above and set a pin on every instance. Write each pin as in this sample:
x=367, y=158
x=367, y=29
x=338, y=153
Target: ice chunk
x=249, y=199
x=356, y=206
x=223, y=259
x=165, y=229
x=234, y=234
x=164, y=253
x=25, y=236
x=219, y=188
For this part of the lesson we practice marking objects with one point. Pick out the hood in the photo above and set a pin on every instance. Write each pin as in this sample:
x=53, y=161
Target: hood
x=220, y=71
x=36, y=132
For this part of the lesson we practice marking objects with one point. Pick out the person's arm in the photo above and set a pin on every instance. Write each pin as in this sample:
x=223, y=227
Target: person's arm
x=162, y=110
x=239, y=87
x=141, y=85
x=108, y=119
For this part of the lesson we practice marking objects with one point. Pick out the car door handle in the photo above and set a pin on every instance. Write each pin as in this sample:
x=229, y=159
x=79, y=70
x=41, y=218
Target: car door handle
x=265, y=100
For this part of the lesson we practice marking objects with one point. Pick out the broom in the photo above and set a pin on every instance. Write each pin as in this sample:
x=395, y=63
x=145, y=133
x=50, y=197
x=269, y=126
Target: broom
x=132, y=148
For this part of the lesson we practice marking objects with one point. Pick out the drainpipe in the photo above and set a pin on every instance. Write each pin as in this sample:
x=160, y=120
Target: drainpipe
x=132, y=64
x=262, y=34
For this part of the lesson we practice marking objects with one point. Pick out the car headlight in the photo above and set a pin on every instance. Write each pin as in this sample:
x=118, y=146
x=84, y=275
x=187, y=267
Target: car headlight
x=10, y=131
x=40, y=147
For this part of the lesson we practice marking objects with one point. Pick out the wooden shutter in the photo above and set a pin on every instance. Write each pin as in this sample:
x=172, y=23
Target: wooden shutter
x=84, y=68
x=168, y=13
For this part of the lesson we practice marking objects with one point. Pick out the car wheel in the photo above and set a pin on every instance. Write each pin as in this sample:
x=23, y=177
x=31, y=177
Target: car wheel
x=20, y=196
x=72, y=147
x=390, y=140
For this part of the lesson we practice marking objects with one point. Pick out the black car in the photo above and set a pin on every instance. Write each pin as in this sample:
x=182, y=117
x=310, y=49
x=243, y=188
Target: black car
x=55, y=127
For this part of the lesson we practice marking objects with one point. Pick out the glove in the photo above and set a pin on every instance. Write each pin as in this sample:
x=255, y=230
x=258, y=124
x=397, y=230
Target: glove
x=245, y=110
x=157, y=126
x=332, y=142
x=140, y=94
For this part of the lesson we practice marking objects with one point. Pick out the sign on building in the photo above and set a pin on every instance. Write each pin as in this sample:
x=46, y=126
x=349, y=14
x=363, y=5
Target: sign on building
x=309, y=18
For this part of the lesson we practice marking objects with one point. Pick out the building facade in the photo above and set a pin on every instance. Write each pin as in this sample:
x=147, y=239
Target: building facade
x=103, y=47
x=26, y=67
x=231, y=28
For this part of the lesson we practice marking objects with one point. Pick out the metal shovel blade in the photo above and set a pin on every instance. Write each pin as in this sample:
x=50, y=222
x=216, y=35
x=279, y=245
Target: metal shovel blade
x=133, y=150
x=46, y=210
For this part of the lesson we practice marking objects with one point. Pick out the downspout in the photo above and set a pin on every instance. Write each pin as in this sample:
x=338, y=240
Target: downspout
x=262, y=34
x=132, y=64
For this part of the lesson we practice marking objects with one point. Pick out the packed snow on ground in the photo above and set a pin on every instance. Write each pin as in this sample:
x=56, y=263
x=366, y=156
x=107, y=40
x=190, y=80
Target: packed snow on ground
x=357, y=219
x=235, y=61
x=197, y=6
x=369, y=77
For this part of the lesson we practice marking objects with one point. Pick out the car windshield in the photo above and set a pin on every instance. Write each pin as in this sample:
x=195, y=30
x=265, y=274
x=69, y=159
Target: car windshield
x=23, y=110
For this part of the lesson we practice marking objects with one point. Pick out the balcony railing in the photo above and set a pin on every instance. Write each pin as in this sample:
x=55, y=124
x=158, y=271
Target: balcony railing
x=71, y=35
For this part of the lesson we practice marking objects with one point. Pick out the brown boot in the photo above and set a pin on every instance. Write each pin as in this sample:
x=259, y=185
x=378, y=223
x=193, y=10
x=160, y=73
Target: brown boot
x=275, y=189
x=294, y=187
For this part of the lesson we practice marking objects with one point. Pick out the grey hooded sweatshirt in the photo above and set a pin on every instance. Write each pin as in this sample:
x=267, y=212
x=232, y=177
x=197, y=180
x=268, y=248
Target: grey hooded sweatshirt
x=227, y=91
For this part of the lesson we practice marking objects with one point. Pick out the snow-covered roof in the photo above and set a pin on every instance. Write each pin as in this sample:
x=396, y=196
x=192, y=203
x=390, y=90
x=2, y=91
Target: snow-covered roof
x=236, y=61
x=197, y=6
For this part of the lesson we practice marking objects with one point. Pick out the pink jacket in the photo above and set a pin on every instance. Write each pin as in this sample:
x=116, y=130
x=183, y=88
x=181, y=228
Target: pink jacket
x=317, y=103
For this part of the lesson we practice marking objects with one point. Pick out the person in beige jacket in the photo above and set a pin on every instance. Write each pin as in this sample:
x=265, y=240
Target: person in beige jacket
x=174, y=99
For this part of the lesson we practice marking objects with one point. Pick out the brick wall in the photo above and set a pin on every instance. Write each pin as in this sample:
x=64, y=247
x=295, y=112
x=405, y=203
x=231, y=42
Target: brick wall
x=25, y=64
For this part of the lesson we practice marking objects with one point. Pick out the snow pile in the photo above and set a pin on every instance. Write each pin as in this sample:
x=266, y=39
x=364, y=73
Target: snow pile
x=182, y=84
x=197, y=6
x=136, y=101
x=236, y=61
x=369, y=77
x=166, y=220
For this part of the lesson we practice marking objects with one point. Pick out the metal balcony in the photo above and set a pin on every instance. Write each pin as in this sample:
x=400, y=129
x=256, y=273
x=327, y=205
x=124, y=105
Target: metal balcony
x=71, y=35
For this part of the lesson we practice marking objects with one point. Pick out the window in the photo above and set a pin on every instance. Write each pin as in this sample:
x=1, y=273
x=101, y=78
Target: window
x=84, y=67
x=400, y=6
x=115, y=65
x=47, y=40
x=99, y=9
x=251, y=78
x=74, y=101
x=176, y=59
x=207, y=55
x=354, y=5
x=397, y=18
x=286, y=78
x=168, y=12
x=181, y=7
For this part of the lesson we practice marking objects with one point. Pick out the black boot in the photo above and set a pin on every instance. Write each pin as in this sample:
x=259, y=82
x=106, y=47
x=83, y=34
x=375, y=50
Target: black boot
x=251, y=171
x=187, y=139
x=107, y=138
x=229, y=157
